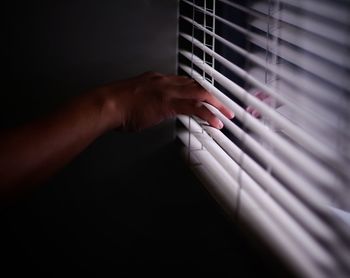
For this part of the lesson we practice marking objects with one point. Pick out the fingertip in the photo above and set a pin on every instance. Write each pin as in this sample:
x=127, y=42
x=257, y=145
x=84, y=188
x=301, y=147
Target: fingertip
x=218, y=124
x=231, y=115
x=255, y=114
x=228, y=113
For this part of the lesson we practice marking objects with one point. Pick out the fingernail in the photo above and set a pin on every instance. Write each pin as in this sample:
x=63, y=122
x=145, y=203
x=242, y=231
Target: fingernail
x=231, y=115
x=255, y=114
x=220, y=124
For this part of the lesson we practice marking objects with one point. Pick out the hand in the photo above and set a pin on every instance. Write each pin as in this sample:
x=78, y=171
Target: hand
x=150, y=98
x=35, y=151
x=264, y=98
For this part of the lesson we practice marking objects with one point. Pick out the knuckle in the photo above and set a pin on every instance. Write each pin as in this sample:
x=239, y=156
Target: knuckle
x=198, y=94
x=211, y=117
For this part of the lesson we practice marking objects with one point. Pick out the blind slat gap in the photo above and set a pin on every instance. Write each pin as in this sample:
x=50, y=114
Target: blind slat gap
x=212, y=172
x=308, y=42
x=312, y=117
x=315, y=168
x=313, y=29
x=300, y=82
x=297, y=183
x=319, y=7
x=286, y=173
x=312, y=64
x=298, y=234
x=314, y=25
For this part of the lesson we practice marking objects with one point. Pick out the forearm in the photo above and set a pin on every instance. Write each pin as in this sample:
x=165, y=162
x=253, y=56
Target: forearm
x=32, y=153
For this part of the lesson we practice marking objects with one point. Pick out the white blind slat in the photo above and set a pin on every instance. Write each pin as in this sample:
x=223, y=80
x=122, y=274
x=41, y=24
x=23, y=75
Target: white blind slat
x=295, y=20
x=313, y=44
x=288, y=175
x=251, y=211
x=270, y=184
x=337, y=33
x=284, y=168
x=330, y=10
x=312, y=64
x=291, y=76
x=319, y=119
x=296, y=133
x=289, y=226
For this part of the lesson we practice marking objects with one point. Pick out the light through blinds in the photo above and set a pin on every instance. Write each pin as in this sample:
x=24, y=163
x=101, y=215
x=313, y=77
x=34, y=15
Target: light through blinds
x=282, y=164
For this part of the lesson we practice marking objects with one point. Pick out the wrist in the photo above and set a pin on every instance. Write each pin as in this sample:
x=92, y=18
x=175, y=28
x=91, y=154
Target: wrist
x=110, y=108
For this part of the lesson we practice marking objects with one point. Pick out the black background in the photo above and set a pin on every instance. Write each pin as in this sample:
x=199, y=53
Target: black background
x=128, y=205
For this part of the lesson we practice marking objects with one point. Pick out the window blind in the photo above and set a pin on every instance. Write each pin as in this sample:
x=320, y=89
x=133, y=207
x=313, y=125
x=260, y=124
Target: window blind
x=282, y=164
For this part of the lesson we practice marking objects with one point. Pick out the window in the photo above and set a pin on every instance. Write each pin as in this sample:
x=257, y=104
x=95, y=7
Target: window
x=282, y=165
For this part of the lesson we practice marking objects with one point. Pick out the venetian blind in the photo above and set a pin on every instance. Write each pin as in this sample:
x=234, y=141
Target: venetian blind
x=282, y=164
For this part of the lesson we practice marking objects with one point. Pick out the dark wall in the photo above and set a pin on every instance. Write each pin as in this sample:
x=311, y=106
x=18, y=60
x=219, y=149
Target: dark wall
x=57, y=49
x=127, y=204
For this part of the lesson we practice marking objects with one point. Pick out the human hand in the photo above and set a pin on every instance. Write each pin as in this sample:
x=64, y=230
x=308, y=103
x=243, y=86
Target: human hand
x=146, y=100
x=264, y=98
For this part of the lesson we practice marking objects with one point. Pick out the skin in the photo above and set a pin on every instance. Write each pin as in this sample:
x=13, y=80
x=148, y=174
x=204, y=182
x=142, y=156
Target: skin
x=32, y=153
x=264, y=98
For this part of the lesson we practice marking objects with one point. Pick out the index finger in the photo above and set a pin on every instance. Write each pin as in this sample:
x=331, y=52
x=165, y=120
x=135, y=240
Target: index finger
x=209, y=98
x=197, y=92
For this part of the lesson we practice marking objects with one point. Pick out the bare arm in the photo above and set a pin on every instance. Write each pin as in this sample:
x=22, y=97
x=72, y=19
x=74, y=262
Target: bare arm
x=31, y=153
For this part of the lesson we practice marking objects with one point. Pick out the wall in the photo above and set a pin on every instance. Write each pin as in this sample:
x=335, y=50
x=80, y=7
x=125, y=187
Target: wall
x=127, y=204
x=57, y=49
